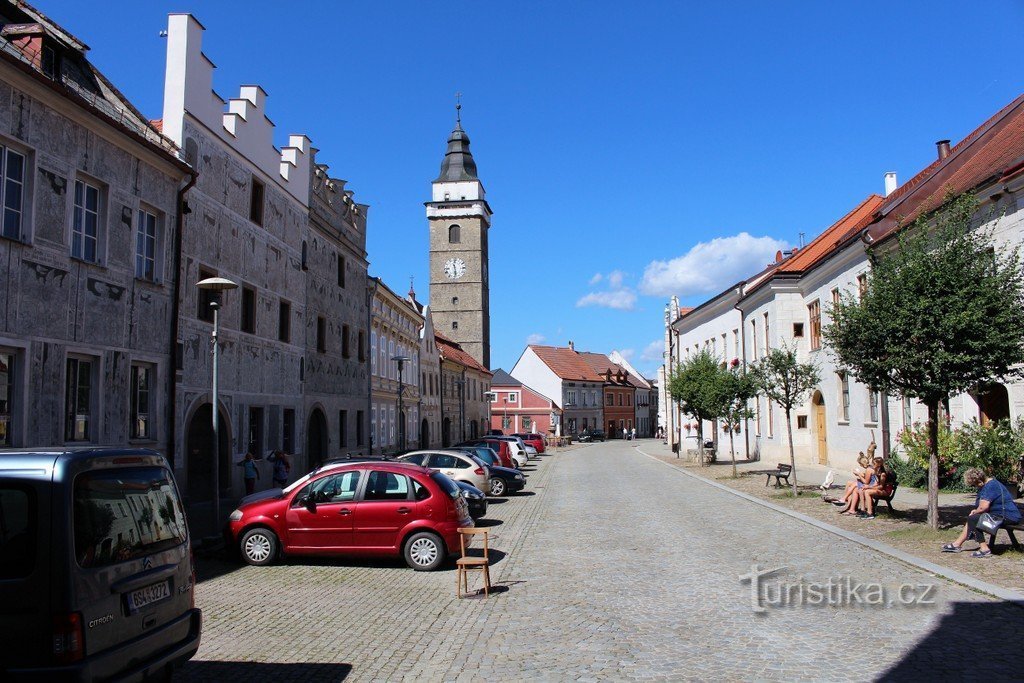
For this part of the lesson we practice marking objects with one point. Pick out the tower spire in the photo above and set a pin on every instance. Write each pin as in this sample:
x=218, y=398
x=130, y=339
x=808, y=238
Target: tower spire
x=458, y=109
x=412, y=292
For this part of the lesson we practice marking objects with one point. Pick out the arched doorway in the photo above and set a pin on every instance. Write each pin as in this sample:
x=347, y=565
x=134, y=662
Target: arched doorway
x=316, y=438
x=993, y=404
x=820, y=426
x=199, y=447
x=446, y=427
x=424, y=434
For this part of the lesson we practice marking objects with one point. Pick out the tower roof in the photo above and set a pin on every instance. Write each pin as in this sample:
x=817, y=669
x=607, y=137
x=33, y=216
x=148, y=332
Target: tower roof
x=458, y=161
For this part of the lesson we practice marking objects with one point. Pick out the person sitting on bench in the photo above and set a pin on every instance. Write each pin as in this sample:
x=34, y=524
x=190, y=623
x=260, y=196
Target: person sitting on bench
x=866, y=478
x=862, y=464
x=882, y=488
x=993, y=498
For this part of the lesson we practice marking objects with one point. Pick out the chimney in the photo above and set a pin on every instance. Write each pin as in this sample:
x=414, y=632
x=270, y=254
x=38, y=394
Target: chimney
x=943, y=146
x=890, y=183
x=571, y=347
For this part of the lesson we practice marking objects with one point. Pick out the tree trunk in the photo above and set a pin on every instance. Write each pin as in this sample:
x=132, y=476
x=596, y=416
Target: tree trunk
x=792, y=452
x=700, y=440
x=933, y=463
x=732, y=451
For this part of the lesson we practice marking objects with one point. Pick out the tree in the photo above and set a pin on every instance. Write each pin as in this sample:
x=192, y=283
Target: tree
x=739, y=389
x=698, y=384
x=942, y=312
x=782, y=379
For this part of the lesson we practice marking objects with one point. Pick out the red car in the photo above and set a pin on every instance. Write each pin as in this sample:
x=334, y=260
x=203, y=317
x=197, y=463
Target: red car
x=535, y=440
x=499, y=447
x=355, y=509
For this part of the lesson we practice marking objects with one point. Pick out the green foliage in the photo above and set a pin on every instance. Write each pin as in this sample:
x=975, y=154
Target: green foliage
x=783, y=379
x=943, y=310
x=699, y=384
x=995, y=448
x=738, y=388
x=908, y=473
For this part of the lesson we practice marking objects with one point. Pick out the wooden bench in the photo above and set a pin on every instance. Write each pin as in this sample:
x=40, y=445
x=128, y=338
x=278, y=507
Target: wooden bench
x=782, y=471
x=1010, y=527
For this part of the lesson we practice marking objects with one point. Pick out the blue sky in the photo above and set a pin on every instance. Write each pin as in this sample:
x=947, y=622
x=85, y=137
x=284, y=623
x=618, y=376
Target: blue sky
x=629, y=150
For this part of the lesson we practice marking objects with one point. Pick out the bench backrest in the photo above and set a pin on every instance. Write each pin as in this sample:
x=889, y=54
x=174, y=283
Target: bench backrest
x=785, y=468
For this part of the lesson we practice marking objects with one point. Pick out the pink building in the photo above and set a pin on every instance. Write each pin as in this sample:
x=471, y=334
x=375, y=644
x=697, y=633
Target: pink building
x=516, y=408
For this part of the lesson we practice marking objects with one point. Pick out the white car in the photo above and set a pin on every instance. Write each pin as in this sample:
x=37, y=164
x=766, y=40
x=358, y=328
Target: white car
x=456, y=465
x=518, y=448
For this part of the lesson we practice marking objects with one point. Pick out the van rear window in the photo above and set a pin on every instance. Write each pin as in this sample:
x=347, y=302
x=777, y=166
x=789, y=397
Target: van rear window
x=17, y=533
x=125, y=513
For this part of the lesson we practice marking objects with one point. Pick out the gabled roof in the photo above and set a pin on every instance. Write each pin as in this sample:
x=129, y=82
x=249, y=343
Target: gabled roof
x=566, y=363
x=603, y=364
x=450, y=350
x=503, y=379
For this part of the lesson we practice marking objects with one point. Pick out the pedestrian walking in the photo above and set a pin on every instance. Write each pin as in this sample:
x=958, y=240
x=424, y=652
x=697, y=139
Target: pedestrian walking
x=632, y=434
x=282, y=468
x=250, y=472
x=625, y=433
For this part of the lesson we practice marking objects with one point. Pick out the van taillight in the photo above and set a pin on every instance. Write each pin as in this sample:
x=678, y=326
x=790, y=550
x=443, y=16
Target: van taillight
x=68, y=645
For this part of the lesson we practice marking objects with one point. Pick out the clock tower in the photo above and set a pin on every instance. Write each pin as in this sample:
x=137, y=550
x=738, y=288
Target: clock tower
x=459, y=218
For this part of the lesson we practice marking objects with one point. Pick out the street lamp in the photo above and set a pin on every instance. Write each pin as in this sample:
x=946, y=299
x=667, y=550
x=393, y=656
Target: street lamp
x=401, y=389
x=460, y=383
x=504, y=420
x=216, y=285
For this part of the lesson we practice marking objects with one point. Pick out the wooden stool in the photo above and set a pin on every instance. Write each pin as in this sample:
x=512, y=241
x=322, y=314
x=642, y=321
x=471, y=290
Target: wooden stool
x=464, y=564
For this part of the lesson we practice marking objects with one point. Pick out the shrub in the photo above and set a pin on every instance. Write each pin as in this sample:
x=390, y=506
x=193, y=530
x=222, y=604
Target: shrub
x=995, y=448
x=908, y=473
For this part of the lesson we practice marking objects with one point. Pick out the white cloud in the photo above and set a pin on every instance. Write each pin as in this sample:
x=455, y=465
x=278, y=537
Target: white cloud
x=615, y=279
x=710, y=267
x=535, y=338
x=621, y=299
x=597, y=278
x=626, y=353
x=653, y=352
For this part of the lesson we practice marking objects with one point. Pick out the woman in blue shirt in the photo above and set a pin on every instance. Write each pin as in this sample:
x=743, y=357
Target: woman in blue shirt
x=993, y=498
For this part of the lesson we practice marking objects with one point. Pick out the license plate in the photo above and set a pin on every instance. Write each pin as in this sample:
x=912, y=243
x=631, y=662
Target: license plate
x=146, y=596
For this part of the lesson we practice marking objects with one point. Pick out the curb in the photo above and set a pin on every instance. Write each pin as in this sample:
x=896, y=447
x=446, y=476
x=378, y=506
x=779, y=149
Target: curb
x=1007, y=594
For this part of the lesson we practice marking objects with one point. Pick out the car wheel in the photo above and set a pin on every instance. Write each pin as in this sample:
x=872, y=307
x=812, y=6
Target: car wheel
x=259, y=546
x=424, y=551
x=497, y=486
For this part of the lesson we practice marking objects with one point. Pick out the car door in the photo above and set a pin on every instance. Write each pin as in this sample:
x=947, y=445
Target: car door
x=385, y=508
x=321, y=515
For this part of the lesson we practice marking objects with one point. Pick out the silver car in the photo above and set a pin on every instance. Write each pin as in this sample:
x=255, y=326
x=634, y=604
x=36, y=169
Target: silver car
x=456, y=465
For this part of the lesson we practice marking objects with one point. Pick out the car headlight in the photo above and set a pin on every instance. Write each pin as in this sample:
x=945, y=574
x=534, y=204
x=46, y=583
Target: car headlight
x=236, y=516
x=520, y=477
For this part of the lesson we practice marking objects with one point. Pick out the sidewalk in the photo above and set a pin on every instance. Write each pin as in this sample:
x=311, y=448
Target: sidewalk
x=902, y=532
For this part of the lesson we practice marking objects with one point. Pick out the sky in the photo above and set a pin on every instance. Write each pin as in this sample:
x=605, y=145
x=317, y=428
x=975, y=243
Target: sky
x=630, y=150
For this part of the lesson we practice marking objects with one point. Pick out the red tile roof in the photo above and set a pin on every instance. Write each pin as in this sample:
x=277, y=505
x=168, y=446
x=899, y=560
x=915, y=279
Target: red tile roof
x=451, y=350
x=602, y=364
x=828, y=241
x=566, y=363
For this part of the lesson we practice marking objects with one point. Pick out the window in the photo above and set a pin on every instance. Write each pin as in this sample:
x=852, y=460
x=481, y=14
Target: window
x=343, y=428
x=753, y=338
x=629, y=399
x=13, y=190
x=341, y=271
x=513, y=397
x=321, y=334
x=78, y=400
x=345, y=351
x=284, y=321
x=6, y=398
x=361, y=346
x=767, y=336
x=798, y=330
x=205, y=298
x=305, y=256
x=373, y=352
x=288, y=430
x=835, y=296
x=360, y=417
x=908, y=413
x=85, y=224
x=872, y=406
x=455, y=301
x=862, y=284
x=338, y=488
x=256, y=202
x=736, y=343
x=145, y=246
x=386, y=486
x=18, y=532
x=256, y=444
x=373, y=424
x=570, y=398
x=141, y=382
x=801, y=422
x=620, y=399
x=248, y=310
x=814, y=312
x=609, y=400
x=454, y=234
x=455, y=325
x=844, y=396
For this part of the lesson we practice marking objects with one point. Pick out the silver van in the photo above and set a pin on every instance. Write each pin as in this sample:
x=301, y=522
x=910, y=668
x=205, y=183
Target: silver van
x=96, y=571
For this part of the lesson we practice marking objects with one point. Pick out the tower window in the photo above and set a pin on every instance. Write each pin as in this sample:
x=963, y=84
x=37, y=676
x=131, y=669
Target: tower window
x=256, y=202
x=455, y=301
x=455, y=325
x=454, y=234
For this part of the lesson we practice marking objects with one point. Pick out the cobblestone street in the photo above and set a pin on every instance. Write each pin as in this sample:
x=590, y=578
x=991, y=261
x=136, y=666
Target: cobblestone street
x=612, y=565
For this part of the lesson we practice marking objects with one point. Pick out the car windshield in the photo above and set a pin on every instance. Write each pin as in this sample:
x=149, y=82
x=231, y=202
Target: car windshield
x=125, y=513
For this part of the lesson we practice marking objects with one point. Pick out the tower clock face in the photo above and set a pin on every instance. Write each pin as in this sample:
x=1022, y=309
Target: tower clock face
x=454, y=268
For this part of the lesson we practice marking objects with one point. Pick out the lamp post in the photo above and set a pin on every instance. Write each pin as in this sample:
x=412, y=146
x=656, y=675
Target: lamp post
x=460, y=383
x=504, y=420
x=401, y=389
x=216, y=285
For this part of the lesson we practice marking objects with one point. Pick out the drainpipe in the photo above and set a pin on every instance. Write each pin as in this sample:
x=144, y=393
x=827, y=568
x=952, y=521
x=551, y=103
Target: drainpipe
x=371, y=293
x=172, y=384
x=743, y=350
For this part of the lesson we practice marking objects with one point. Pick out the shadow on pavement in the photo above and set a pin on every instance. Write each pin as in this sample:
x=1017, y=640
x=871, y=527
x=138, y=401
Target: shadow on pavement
x=520, y=494
x=485, y=522
x=261, y=671
x=966, y=645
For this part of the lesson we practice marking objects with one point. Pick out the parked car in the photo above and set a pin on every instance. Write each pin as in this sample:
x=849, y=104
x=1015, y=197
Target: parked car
x=591, y=435
x=457, y=465
x=372, y=508
x=516, y=445
x=506, y=450
x=535, y=440
x=495, y=432
x=96, y=571
x=475, y=498
x=503, y=479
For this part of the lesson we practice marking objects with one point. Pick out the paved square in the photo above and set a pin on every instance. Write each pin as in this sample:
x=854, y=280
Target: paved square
x=613, y=566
